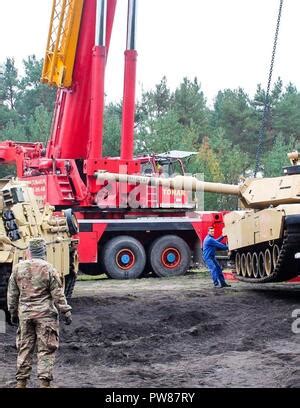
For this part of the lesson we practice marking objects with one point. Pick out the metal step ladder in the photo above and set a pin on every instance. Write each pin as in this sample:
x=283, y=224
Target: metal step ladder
x=65, y=188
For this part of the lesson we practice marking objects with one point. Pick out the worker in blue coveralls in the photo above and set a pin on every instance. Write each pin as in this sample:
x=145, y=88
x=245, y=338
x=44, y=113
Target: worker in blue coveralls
x=210, y=244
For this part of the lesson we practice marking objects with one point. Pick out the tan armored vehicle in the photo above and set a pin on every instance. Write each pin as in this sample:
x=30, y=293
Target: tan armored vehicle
x=22, y=217
x=263, y=237
x=264, y=240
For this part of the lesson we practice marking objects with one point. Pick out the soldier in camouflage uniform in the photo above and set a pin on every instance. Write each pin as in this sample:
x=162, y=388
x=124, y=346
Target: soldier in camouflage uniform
x=35, y=293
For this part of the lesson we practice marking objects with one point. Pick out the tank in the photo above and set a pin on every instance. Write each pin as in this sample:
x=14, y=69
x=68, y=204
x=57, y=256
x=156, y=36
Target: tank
x=264, y=236
x=22, y=217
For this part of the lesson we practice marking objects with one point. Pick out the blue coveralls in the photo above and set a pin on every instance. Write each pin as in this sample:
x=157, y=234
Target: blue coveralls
x=210, y=245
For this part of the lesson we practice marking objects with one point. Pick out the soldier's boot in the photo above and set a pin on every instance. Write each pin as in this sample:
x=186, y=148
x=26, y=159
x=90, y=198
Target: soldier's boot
x=21, y=384
x=45, y=383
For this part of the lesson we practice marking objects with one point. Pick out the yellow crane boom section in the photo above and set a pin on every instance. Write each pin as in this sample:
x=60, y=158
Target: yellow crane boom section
x=62, y=43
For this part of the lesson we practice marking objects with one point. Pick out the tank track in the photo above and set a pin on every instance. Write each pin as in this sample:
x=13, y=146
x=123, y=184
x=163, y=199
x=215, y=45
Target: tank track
x=5, y=271
x=70, y=279
x=287, y=267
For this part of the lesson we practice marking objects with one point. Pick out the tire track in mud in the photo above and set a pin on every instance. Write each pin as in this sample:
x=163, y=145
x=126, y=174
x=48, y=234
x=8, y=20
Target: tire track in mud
x=177, y=336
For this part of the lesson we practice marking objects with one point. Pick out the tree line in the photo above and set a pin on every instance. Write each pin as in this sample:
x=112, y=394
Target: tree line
x=225, y=136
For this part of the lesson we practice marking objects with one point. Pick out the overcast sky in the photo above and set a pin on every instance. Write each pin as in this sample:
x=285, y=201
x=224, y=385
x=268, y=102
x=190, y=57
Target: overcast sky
x=226, y=44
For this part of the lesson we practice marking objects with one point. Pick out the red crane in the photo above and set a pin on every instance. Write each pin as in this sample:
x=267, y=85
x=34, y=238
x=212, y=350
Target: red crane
x=125, y=229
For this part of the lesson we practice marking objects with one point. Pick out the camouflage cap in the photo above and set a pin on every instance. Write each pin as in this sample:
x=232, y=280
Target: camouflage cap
x=37, y=243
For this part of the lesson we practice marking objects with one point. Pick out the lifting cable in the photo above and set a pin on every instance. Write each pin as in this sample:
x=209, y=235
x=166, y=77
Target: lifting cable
x=266, y=112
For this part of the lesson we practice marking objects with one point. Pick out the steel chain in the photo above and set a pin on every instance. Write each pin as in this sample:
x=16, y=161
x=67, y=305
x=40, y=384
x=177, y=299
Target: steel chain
x=267, y=108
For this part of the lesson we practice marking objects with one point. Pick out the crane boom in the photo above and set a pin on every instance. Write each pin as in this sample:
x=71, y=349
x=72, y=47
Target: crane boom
x=78, y=112
x=62, y=42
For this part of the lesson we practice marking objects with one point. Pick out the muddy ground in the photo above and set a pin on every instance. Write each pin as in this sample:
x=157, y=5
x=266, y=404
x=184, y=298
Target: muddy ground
x=174, y=333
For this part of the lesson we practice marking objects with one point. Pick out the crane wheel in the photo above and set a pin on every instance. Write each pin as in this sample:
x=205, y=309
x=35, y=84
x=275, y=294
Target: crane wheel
x=169, y=255
x=123, y=257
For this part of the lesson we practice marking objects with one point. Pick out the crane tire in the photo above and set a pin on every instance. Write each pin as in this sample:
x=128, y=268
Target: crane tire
x=170, y=256
x=124, y=257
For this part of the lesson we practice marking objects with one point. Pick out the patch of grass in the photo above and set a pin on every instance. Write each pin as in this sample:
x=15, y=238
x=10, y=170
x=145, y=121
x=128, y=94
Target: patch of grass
x=204, y=273
x=83, y=277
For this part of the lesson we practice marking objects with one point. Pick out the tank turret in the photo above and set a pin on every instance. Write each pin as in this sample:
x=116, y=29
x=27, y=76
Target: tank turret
x=23, y=216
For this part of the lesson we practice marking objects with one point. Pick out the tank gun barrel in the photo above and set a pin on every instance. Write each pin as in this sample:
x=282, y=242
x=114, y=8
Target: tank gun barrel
x=186, y=183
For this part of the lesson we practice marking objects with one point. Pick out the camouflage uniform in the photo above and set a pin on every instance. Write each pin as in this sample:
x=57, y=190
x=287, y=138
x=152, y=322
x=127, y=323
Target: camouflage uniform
x=35, y=293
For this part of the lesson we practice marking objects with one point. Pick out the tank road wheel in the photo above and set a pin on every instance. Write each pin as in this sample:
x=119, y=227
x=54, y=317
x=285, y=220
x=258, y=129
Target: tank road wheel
x=238, y=263
x=255, y=265
x=275, y=255
x=169, y=255
x=243, y=265
x=249, y=264
x=124, y=258
x=268, y=262
x=261, y=265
